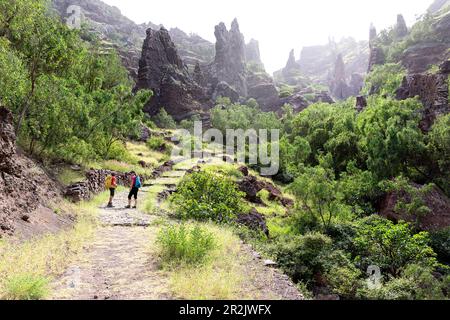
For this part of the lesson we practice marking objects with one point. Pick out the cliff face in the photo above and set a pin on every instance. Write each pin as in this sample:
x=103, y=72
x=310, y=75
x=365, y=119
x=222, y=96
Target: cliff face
x=118, y=32
x=432, y=89
x=162, y=70
x=340, y=66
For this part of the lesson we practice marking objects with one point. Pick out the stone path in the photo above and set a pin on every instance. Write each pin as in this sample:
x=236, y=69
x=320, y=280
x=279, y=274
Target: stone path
x=119, y=263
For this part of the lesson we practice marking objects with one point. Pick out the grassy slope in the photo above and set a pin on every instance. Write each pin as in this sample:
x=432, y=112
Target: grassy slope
x=27, y=268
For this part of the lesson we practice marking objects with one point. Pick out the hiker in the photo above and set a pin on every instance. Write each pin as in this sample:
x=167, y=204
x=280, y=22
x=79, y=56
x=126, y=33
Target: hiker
x=111, y=184
x=135, y=185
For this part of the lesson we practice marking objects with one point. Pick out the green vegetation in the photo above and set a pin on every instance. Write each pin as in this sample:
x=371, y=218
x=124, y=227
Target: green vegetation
x=204, y=196
x=384, y=79
x=185, y=244
x=70, y=100
x=26, y=287
x=164, y=120
x=27, y=268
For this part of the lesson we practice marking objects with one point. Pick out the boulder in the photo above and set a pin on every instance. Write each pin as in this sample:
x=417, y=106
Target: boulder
x=254, y=221
x=223, y=89
x=438, y=218
x=361, y=103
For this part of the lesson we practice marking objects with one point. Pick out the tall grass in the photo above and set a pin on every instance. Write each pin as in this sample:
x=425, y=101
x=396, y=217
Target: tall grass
x=185, y=244
x=222, y=275
x=27, y=268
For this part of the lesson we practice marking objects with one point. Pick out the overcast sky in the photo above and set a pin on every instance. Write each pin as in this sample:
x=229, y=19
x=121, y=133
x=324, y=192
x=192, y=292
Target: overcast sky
x=278, y=25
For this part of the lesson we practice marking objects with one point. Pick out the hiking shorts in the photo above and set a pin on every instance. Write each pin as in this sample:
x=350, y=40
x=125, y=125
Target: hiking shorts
x=112, y=191
x=133, y=193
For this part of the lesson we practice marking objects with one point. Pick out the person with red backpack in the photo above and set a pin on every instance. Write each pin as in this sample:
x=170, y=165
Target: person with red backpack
x=111, y=185
x=135, y=182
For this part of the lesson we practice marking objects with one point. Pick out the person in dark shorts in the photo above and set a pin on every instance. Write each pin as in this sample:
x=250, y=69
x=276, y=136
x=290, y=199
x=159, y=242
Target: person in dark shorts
x=135, y=184
x=111, y=183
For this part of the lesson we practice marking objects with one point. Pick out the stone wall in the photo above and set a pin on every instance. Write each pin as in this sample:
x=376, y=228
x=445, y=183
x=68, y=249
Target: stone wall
x=94, y=183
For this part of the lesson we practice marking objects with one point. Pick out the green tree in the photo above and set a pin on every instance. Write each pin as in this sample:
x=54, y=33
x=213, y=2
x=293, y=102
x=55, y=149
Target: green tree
x=317, y=193
x=391, y=246
x=389, y=136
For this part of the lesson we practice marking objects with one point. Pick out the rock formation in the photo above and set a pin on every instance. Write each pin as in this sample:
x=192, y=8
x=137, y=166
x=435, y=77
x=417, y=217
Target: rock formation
x=401, y=30
x=432, y=90
x=437, y=219
x=432, y=49
x=229, y=64
x=376, y=54
x=438, y=5
x=162, y=70
x=115, y=31
x=252, y=53
x=338, y=84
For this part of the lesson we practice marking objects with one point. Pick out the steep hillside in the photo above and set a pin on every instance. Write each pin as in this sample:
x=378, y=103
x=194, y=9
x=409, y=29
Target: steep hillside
x=338, y=66
x=127, y=37
x=423, y=46
x=28, y=196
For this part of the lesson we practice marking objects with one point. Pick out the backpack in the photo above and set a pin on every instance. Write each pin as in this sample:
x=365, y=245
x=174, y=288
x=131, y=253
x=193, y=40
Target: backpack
x=108, y=182
x=137, y=183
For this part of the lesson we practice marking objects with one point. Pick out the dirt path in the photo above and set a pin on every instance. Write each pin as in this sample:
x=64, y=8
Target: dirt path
x=120, y=263
x=117, y=265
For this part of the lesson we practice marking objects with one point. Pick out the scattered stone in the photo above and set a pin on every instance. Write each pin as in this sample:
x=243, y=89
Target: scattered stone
x=243, y=170
x=254, y=221
x=270, y=263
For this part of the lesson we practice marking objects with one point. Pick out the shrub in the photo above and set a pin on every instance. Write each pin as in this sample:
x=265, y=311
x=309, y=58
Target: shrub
x=204, y=196
x=384, y=79
x=156, y=143
x=390, y=136
x=26, y=287
x=302, y=257
x=440, y=242
x=415, y=283
x=318, y=195
x=164, y=120
x=185, y=244
x=392, y=246
x=344, y=280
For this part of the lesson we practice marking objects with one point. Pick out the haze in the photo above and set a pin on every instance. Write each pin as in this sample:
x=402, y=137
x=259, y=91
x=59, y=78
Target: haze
x=280, y=25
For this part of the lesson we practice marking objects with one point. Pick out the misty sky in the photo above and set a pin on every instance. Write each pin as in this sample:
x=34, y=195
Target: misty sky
x=279, y=25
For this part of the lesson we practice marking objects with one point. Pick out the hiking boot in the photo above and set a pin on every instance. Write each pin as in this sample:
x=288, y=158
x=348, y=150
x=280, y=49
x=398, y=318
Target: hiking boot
x=128, y=207
x=134, y=207
x=110, y=205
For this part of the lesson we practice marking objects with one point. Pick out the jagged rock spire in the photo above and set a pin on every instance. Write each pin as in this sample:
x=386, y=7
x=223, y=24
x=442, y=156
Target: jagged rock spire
x=401, y=30
x=372, y=33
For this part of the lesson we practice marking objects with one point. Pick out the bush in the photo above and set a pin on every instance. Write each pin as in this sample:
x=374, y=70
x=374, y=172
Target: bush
x=302, y=257
x=26, y=287
x=185, y=244
x=392, y=246
x=204, y=196
x=156, y=143
x=440, y=242
x=384, y=79
x=164, y=120
x=415, y=283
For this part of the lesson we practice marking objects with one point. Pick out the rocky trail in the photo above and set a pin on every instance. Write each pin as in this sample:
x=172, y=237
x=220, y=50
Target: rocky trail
x=119, y=264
